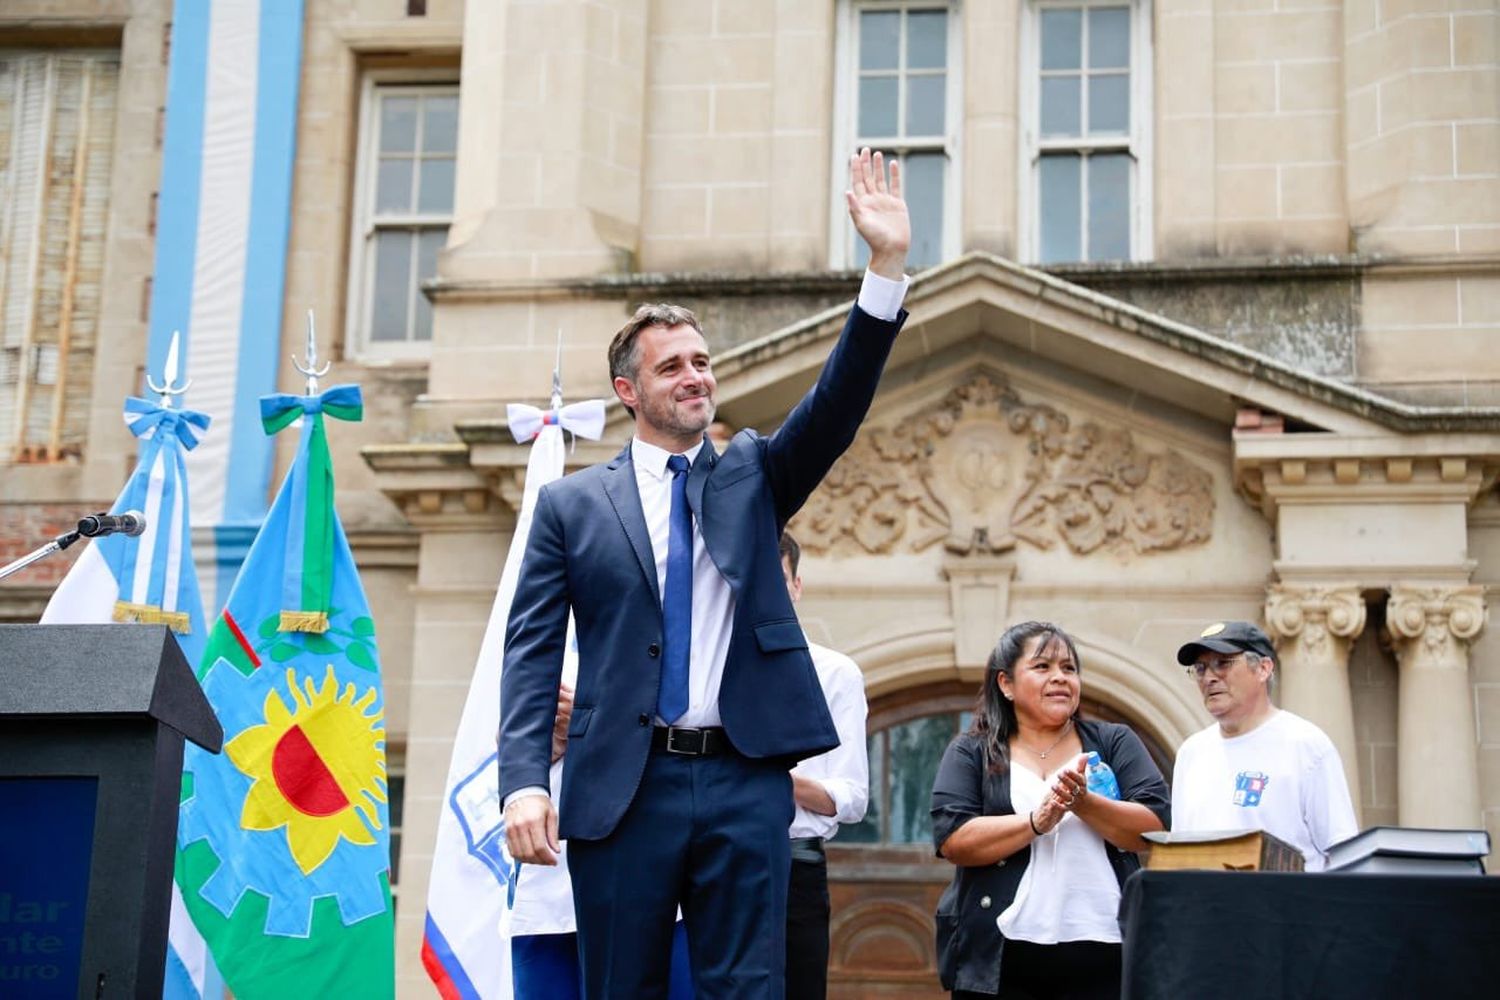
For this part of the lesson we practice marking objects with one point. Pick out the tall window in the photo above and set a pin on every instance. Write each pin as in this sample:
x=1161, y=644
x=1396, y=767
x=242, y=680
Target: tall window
x=408, y=147
x=57, y=125
x=898, y=94
x=395, y=781
x=1086, y=122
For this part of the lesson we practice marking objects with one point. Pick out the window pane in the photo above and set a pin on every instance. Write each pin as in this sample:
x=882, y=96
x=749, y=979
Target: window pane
x=435, y=193
x=398, y=124
x=1109, y=207
x=1062, y=38
x=396, y=793
x=879, y=39
x=1109, y=104
x=440, y=125
x=916, y=749
x=390, y=285
x=927, y=39
x=428, y=245
x=922, y=183
x=867, y=830
x=393, y=186
x=877, y=106
x=1060, y=111
x=1109, y=38
x=924, y=104
x=1060, y=208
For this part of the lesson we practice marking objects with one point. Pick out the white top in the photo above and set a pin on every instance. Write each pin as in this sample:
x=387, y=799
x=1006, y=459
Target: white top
x=1069, y=891
x=844, y=771
x=1284, y=777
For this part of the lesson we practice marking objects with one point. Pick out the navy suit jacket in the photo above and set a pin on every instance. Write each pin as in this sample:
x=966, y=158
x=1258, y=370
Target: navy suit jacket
x=589, y=552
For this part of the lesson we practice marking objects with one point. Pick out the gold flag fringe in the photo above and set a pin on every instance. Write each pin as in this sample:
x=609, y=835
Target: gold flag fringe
x=150, y=614
x=304, y=621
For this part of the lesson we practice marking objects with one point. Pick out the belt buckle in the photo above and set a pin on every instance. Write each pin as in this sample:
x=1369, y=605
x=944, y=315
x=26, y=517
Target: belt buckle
x=690, y=748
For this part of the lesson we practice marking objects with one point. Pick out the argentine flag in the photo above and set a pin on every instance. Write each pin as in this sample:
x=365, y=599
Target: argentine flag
x=151, y=579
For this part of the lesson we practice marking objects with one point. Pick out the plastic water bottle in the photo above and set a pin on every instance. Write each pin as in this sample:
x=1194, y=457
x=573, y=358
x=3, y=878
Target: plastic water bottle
x=1101, y=777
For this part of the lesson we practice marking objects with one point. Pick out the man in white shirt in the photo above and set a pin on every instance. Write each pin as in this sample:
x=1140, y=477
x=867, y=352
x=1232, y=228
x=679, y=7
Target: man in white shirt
x=696, y=692
x=1257, y=767
x=829, y=789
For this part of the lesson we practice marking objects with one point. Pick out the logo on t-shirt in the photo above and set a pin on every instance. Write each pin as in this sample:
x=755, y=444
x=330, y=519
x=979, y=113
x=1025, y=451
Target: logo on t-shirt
x=1248, y=788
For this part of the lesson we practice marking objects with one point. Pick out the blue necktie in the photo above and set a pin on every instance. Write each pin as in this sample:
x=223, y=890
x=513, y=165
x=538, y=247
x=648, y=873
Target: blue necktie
x=677, y=601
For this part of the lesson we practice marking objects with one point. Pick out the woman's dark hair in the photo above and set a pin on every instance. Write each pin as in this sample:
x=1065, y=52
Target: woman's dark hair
x=994, y=714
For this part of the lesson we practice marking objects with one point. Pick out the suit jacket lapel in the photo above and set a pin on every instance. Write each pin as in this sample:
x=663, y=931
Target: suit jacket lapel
x=698, y=477
x=625, y=496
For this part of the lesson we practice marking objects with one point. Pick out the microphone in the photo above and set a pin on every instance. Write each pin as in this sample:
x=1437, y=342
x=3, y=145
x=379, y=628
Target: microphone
x=132, y=522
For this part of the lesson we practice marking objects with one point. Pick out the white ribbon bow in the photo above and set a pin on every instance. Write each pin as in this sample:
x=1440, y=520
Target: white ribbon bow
x=585, y=419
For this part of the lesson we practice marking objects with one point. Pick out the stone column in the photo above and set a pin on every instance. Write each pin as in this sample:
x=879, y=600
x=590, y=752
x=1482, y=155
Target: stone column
x=1437, y=754
x=1313, y=626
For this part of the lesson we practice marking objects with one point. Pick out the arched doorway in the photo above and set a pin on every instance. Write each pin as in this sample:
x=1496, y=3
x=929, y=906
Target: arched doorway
x=884, y=877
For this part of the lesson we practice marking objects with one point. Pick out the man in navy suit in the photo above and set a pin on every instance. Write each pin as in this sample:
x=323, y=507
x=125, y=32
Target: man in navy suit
x=695, y=690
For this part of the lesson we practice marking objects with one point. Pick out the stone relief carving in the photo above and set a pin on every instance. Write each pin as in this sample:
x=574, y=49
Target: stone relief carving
x=983, y=468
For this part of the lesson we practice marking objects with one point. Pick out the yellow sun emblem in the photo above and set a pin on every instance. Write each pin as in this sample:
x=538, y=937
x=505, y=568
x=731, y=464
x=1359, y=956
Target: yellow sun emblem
x=318, y=769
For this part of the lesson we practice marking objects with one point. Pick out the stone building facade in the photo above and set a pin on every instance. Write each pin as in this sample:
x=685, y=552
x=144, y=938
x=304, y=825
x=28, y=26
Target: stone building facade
x=1204, y=327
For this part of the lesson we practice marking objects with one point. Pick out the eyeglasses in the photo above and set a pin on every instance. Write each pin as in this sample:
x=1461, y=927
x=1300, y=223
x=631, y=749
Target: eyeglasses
x=1220, y=667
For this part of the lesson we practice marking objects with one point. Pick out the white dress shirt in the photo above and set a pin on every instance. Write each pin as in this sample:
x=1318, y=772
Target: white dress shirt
x=713, y=600
x=844, y=771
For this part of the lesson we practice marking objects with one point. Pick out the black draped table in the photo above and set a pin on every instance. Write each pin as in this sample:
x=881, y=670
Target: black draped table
x=1248, y=935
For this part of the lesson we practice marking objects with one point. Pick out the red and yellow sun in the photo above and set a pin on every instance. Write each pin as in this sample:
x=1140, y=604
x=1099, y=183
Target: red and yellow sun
x=318, y=768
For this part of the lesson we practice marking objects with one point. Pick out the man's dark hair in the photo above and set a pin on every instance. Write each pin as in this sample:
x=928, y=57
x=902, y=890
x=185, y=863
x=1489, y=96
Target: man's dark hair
x=791, y=552
x=624, y=349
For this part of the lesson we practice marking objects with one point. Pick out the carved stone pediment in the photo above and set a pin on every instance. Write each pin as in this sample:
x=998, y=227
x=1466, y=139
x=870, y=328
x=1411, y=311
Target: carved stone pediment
x=983, y=469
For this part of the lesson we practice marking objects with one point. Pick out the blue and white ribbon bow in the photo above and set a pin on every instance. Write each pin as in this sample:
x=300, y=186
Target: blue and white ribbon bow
x=585, y=419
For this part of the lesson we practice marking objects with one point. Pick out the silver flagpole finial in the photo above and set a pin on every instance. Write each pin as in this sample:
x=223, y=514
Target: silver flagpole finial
x=168, y=387
x=557, y=374
x=311, y=370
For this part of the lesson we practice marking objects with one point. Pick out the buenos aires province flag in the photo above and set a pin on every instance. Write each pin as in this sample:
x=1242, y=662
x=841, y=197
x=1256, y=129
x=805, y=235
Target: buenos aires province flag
x=283, y=843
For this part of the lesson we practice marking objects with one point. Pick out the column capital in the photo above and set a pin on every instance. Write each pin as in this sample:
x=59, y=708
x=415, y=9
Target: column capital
x=1313, y=611
x=1435, y=613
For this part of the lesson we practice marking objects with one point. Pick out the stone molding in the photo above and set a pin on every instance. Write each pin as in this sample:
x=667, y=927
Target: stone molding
x=983, y=469
x=1441, y=617
x=1271, y=470
x=1311, y=613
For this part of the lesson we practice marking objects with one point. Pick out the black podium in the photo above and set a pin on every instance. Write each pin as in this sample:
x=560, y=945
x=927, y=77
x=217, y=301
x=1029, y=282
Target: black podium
x=92, y=723
x=1308, y=936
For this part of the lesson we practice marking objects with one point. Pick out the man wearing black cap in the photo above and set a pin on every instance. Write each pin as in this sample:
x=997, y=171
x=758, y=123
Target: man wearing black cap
x=1258, y=767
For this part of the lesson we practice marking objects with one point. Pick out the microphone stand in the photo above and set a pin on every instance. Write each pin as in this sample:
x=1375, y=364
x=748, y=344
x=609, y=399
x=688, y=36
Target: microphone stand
x=56, y=545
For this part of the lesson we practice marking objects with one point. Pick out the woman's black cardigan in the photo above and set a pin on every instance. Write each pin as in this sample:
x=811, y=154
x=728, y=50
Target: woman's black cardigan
x=968, y=941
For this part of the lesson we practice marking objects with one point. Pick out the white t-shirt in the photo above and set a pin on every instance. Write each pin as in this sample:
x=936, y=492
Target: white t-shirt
x=1069, y=891
x=1284, y=777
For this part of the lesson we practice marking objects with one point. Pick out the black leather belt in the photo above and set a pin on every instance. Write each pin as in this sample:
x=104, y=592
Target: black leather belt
x=690, y=742
x=808, y=850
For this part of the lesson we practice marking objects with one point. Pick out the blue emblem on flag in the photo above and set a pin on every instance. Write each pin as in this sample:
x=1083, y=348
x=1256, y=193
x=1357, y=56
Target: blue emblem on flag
x=1248, y=788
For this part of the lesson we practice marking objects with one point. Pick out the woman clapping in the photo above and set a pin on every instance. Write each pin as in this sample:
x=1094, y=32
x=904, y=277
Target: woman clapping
x=1031, y=912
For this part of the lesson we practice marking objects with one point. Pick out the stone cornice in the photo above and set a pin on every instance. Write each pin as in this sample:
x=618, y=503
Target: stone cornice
x=434, y=485
x=1275, y=469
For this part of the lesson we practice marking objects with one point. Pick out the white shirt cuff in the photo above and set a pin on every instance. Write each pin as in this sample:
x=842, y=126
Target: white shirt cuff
x=521, y=793
x=882, y=297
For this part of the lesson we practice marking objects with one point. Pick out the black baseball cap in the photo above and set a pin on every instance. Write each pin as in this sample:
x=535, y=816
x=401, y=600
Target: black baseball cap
x=1227, y=637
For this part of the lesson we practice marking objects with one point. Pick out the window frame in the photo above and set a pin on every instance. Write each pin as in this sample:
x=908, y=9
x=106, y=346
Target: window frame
x=363, y=225
x=1137, y=142
x=842, y=237
x=14, y=449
